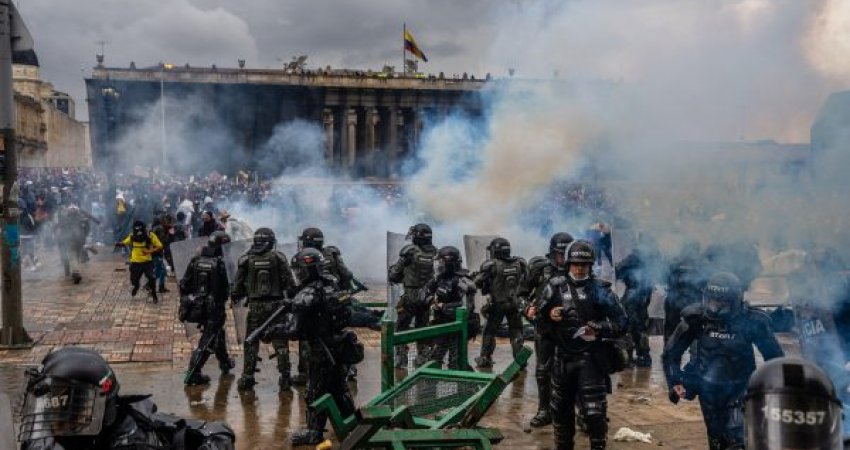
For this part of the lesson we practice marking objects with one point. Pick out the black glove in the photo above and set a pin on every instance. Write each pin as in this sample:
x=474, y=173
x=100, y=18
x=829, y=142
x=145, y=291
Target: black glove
x=673, y=396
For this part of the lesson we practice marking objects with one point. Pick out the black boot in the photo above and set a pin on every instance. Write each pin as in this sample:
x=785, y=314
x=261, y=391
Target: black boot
x=226, y=366
x=306, y=437
x=541, y=419
x=197, y=378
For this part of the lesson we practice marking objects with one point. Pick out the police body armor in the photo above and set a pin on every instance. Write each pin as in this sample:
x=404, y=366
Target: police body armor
x=264, y=279
x=421, y=267
x=724, y=348
x=505, y=279
x=204, y=272
x=575, y=314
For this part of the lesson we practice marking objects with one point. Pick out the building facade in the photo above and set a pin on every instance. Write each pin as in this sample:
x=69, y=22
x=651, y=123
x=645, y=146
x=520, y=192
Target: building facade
x=369, y=121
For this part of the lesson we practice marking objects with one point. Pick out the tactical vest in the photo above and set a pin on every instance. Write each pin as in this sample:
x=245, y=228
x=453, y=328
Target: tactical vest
x=330, y=264
x=725, y=351
x=421, y=267
x=204, y=273
x=264, y=276
x=505, y=277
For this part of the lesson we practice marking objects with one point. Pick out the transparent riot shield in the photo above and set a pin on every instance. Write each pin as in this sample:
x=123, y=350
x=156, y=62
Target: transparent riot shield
x=240, y=321
x=475, y=253
x=395, y=242
x=7, y=426
x=231, y=252
x=183, y=252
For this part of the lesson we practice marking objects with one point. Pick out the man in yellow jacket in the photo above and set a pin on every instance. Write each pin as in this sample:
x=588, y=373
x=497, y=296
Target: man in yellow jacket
x=142, y=245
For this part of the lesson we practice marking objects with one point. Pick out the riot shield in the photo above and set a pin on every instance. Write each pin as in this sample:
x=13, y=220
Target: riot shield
x=192, y=332
x=395, y=242
x=231, y=252
x=7, y=426
x=240, y=321
x=183, y=252
x=475, y=253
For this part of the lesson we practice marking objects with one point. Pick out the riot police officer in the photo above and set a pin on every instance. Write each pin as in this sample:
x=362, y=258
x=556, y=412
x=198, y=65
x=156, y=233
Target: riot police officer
x=499, y=278
x=725, y=331
x=413, y=269
x=265, y=278
x=792, y=404
x=540, y=270
x=685, y=280
x=72, y=403
x=318, y=317
x=314, y=238
x=334, y=265
x=206, y=282
x=585, y=315
x=449, y=290
x=638, y=272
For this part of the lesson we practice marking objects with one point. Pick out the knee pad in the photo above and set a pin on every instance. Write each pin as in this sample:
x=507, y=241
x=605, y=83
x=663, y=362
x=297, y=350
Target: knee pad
x=592, y=401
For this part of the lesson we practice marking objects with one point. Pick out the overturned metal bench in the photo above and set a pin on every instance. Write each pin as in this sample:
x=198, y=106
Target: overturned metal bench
x=431, y=407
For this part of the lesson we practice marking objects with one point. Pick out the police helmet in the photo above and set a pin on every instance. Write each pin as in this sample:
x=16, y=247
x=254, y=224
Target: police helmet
x=722, y=296
x=264, y=236
x=307, y=264
x=312, y=238
x=558, y=246
x=499, y=248
x=73, y=393
x=420, y=234
x=792, y=404
x=449, y=261
x=580, y=252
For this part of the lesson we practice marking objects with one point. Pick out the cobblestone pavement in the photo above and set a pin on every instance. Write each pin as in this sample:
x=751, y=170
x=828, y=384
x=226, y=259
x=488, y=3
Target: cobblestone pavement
x=99, y=313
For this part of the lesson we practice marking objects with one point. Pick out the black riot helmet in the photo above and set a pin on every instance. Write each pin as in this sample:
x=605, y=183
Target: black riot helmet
x=580, y=253
x=558, y=247
x=140, y=231
x=420, y=234
x=311, y=238
x=499, y=248
x=264, y=239
x=449, y=261
x=307, y=265
x=792, y=404
x=722, y=296
x=73, y=393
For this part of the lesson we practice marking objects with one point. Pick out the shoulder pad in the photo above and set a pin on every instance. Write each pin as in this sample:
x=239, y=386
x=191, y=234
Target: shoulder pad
x=466, y=284
x=693, y=313
x=604, y=284
x=757, y=315
x=486, y=266
x=557, y=281
x=332, y=250
x=407, y=249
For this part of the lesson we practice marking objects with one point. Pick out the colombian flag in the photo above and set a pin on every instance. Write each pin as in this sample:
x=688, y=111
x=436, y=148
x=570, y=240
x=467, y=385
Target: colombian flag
x=410, y=45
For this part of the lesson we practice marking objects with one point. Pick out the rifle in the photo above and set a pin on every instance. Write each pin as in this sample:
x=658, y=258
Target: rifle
x=259, y=331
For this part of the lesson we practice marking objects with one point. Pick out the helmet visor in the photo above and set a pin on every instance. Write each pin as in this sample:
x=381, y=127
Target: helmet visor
x=56, y=407
x=793, y=422
x=717, y=307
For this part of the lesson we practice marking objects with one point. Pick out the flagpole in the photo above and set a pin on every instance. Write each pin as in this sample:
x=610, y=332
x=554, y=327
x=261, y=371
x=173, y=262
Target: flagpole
x=403, y=47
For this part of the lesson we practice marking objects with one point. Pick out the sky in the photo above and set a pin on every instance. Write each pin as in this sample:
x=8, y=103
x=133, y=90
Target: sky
x=767, y=64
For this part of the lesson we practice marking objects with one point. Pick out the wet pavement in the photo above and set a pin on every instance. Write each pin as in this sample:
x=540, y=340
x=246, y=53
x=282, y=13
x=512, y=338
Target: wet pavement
x=149, y=351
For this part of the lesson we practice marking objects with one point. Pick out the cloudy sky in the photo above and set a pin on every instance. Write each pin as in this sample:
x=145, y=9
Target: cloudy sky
x=761, y=68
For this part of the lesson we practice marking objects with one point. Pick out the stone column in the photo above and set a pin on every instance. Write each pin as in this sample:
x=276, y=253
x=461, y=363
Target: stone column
x=328, y=122
x=372, y=119
x=351, y=137
x=394, y=121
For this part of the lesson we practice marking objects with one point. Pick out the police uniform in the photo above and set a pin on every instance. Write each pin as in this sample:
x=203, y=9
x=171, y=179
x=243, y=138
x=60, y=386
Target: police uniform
x=414, y=268
x=724, y=359
x=635, y=272
x=446, y=294
x=581, y=367
x=206, y=279
x=500, y=279
x=685, y=280
x=540, y=271
x=265, y=278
